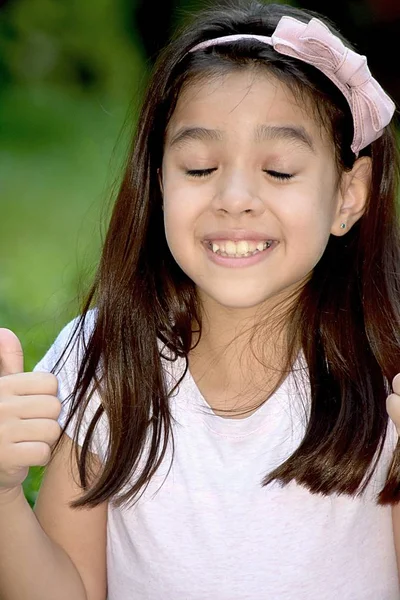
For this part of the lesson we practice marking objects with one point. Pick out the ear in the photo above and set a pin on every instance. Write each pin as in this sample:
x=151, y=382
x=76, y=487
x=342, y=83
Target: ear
x=353, y=194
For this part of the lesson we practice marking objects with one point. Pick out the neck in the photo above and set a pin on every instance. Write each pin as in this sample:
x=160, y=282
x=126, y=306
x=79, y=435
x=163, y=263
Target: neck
x=239, y=344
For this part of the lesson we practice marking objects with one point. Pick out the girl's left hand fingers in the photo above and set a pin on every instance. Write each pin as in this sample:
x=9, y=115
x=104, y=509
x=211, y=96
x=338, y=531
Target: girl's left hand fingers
x=393, y=409
x=396, y=384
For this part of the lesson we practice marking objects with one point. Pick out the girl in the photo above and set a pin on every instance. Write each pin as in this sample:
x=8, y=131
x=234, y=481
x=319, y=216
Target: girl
x=224, y=389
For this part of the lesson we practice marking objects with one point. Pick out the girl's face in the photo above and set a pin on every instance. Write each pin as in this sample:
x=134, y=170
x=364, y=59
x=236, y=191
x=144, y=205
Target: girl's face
x=249, y=187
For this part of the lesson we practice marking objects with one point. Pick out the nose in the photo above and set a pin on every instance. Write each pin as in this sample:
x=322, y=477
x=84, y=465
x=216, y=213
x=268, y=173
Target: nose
x=237, y=193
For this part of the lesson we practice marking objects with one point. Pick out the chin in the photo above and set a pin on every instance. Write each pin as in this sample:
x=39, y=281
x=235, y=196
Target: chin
x=241, y=300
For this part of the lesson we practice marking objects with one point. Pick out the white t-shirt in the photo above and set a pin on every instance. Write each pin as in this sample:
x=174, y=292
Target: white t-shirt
x=211, y=532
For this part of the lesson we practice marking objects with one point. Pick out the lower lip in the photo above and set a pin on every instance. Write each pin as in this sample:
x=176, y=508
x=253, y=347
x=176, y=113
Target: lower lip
x=246, y=261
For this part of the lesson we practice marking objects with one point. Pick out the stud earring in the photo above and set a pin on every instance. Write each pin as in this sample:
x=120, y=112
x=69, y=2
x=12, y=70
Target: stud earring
x=343, y=226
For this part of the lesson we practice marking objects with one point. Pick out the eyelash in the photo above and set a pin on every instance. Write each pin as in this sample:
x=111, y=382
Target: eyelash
x=199, y=172
x=204, y=172
x=278, y=175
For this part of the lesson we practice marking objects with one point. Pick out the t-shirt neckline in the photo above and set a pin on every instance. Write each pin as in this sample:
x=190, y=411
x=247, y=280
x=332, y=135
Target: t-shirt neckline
x=235, y=427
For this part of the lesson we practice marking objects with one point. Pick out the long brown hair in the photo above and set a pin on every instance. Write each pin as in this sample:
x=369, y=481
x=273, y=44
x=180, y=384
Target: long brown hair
x=350, y=303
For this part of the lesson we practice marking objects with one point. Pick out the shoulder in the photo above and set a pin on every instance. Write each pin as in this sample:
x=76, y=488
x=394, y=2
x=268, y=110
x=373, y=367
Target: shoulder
x=64, y=356
x=71, y=342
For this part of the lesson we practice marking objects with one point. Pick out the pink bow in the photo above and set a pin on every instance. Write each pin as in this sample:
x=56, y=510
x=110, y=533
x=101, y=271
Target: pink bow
x=313, y=43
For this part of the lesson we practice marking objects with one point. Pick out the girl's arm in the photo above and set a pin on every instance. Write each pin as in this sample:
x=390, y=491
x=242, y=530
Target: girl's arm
x=393, y=408
x=82, y=533
x=57, y=554
x=396, y=532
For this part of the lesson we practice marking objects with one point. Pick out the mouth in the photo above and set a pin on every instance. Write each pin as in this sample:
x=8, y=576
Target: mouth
x=238, y=249
x=243, y=253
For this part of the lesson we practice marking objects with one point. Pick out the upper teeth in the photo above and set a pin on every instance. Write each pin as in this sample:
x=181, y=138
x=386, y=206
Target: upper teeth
x=241, y=248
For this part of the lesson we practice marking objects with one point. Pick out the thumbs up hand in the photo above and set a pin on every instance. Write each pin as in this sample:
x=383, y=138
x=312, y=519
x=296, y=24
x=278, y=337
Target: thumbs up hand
x=29, y=409
x=393, y=403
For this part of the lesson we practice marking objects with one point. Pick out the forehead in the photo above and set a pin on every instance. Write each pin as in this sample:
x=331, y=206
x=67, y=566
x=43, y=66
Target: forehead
x=244, y=101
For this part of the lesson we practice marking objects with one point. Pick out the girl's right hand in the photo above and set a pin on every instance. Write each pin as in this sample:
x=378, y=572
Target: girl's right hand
x=393, y=403
x=29, y=409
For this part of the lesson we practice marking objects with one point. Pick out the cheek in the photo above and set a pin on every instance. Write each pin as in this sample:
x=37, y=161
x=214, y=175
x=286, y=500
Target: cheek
x=306, y=222
x=180, y=217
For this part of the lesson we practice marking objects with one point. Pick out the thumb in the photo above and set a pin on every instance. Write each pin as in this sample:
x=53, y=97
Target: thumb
x=11, y=353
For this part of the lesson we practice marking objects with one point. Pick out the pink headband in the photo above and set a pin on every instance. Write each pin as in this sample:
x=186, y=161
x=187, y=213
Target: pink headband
x=313, y=43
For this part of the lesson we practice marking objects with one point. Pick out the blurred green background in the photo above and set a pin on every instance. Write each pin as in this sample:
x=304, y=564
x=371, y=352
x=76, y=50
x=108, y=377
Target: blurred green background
x=72, y=75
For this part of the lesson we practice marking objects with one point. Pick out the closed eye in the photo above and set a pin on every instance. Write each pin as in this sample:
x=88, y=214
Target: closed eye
x=206, y=172
x=200, y=172
x=278, y=175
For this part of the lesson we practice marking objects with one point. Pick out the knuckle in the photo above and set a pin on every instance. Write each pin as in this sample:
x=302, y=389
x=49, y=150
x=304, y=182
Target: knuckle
x=6, y=457
x=4, y=410
x=6, y=431
x=5, y=384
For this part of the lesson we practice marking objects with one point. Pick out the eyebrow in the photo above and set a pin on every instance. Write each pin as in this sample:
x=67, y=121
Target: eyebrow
x=263, y=133
x=196, y=133
x=294, y=133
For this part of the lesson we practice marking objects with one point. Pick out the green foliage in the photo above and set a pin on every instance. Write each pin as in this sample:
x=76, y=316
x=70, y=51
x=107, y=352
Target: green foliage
x=59, y=157
x=56, y=175
x=68, y=70
x=32, y=484
x=82, y=45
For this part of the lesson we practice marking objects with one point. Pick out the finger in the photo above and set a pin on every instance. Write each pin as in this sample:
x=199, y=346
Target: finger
x=11, y=353
x=31, y=454
x=34, y=430
x=393, y=409
x=396, y=384
x=25, y=384
x=33, y=407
